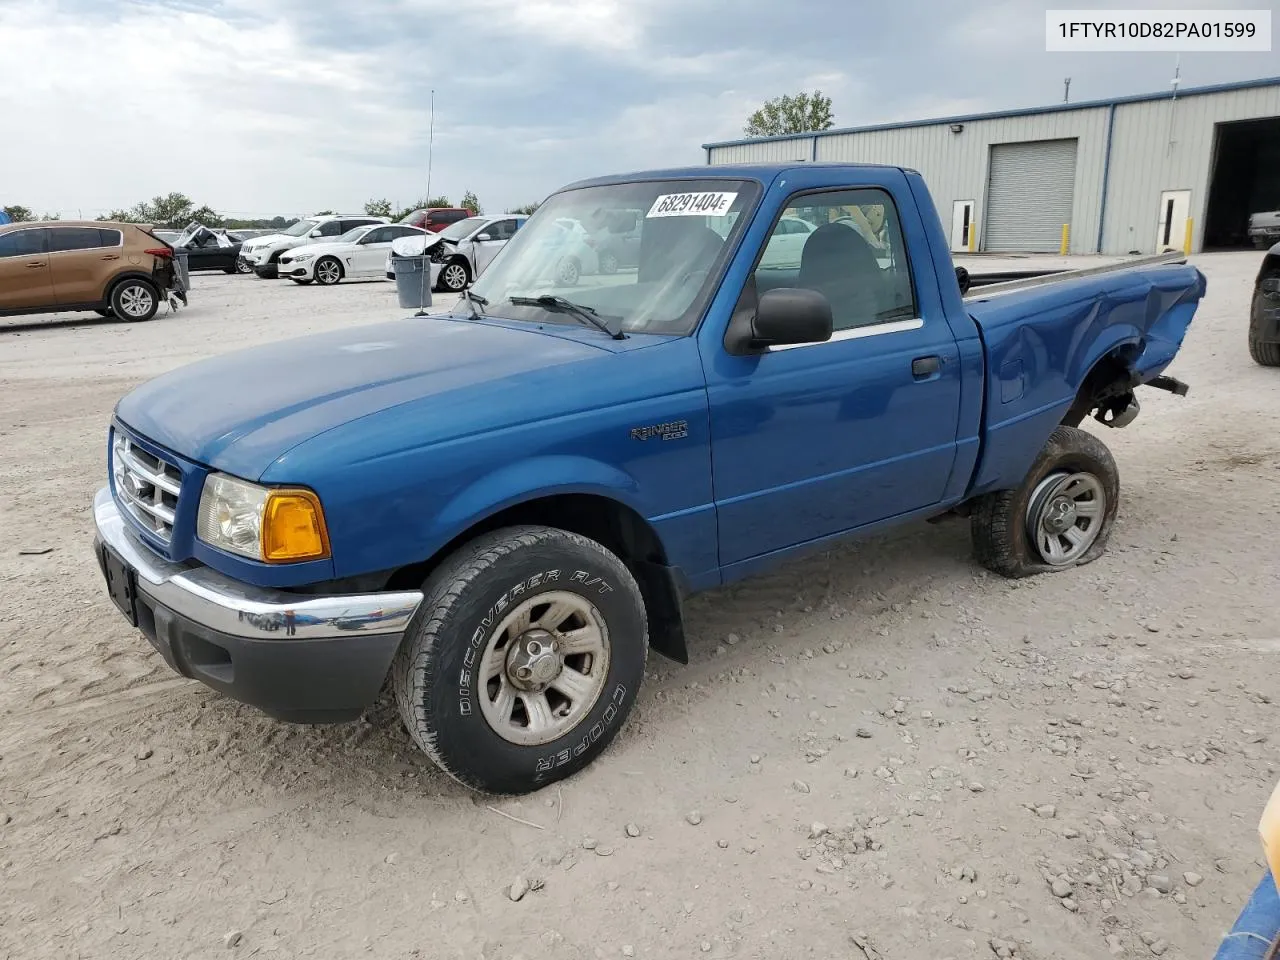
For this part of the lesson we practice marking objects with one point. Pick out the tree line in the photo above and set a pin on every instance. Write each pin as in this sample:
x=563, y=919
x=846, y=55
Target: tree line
x=176, y=210
x=802, y=112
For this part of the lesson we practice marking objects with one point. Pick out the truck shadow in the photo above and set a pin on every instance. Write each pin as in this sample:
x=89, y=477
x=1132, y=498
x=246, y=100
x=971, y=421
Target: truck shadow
x=770, y=616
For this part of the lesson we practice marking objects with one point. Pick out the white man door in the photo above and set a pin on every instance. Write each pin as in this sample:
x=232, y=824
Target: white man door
x=1175, y=207
x=962, y=226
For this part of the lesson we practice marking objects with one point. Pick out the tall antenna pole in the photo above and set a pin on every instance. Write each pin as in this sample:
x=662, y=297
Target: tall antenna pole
x=1066, y=92
x=431, y=136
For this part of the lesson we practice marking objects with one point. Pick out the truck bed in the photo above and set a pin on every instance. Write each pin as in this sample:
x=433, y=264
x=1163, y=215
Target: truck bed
x=1044, y=335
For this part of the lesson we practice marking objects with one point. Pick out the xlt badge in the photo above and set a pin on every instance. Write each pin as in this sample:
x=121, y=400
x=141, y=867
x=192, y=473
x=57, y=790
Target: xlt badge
x=675, y=430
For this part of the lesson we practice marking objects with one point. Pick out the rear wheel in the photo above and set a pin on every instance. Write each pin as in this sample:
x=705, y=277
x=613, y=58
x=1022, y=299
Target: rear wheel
x=524, y=660
x=454, y=276
x=1264, y=321
x=328, y=271
x=243, y=267
x=1062, y=514
x=608, y=262
x=135, y=300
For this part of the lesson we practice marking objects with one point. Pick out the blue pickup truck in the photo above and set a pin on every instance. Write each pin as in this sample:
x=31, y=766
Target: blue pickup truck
x=498, y=511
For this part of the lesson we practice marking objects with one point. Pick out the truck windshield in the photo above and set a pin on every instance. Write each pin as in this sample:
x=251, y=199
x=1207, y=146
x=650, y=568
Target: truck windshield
x=645, y=254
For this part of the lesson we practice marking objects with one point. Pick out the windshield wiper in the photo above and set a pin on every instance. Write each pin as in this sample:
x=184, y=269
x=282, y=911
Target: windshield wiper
x=585, y=314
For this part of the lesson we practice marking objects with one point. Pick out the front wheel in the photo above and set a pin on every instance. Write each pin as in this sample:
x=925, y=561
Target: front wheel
x=243, y=267
x=569, y=271
x=454, y=276
x=608, y=262
x=524, y=660
x=328, y=271
x=1062, y=514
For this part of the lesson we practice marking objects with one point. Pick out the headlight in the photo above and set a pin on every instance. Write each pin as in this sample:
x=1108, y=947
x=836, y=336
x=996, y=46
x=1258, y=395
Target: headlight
x=301, y=257
x=271, y=524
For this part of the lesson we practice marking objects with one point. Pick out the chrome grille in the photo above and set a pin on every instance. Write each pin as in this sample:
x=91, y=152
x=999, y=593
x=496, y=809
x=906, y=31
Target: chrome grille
x=146, y=486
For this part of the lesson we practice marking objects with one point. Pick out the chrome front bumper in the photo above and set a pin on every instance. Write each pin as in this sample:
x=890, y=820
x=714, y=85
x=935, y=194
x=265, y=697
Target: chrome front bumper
x=216, y=601
x=309, y=659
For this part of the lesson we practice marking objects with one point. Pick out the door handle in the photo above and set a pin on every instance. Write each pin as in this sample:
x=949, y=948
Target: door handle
x=112, y=256
x=924, y=367
x=35, y=266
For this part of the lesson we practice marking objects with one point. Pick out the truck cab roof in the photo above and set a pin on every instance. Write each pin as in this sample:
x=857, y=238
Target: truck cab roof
x=760, y=172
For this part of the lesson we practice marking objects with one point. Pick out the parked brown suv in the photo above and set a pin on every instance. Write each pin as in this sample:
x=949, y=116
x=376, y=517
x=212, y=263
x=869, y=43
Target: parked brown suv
x=115, y=269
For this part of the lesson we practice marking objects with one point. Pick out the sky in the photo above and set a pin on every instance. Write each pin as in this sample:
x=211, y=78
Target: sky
x=266, y=107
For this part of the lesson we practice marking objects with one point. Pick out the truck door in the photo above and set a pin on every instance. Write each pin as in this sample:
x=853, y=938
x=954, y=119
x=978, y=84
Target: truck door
x=813, y=440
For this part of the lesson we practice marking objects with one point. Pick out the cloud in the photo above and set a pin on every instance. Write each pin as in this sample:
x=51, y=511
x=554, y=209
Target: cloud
x=290, y=106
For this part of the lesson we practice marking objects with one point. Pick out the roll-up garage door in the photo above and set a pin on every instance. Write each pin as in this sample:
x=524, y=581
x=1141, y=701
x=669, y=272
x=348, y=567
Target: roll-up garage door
x=1029, y=194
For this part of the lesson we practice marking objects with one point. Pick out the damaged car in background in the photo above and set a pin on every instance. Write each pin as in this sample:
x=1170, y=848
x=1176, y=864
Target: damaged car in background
x=209, y=249
x=460, y=252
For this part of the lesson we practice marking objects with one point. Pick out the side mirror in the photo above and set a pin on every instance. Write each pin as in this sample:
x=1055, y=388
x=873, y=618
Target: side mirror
x=483, y=238
x=962, y=278
x=791, y=315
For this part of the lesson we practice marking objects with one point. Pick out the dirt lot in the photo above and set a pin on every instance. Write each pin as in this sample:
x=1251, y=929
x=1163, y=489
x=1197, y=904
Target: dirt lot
x=880, y=754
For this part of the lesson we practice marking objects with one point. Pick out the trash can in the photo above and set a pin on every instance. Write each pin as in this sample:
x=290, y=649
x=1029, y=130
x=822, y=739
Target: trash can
x=413, y=281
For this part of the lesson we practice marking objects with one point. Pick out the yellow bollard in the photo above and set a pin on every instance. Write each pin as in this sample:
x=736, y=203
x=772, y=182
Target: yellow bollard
x=1066, y=239
x=1186, y=243
x=973, y=235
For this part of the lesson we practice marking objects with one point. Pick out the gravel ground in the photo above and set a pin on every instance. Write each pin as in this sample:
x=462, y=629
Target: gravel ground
x=878, y=753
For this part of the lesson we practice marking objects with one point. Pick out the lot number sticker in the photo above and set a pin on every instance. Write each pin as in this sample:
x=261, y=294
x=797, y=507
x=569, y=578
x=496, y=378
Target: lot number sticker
x=692, y=205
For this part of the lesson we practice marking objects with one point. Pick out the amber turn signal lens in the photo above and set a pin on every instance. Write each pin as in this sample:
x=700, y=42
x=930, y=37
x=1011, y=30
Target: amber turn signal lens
x=293, y=527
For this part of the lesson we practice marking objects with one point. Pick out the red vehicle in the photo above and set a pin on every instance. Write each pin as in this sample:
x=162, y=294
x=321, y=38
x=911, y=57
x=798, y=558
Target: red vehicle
x=435, y=219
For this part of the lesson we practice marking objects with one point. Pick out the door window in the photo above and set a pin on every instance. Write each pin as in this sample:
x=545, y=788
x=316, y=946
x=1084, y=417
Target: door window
x=333, y=228
x=381, y=235
x=110, y=238
x=62, y=239
x=502, y=230
x=848, y=246
x=23, y=243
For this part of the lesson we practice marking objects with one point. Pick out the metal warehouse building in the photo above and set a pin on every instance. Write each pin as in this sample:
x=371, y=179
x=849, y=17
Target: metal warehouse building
x=1180, y=170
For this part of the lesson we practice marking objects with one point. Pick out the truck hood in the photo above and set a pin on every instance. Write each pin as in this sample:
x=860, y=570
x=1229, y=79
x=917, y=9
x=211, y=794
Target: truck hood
x=270, y=240
x=241, y=411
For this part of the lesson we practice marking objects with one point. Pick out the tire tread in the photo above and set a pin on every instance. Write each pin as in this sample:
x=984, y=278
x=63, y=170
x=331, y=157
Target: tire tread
x=441, y=593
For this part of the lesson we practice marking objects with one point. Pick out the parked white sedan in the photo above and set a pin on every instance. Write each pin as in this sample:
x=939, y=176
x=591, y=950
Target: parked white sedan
x=358, y=253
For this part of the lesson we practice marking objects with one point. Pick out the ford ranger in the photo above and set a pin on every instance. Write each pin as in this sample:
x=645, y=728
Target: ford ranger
x=496, y=512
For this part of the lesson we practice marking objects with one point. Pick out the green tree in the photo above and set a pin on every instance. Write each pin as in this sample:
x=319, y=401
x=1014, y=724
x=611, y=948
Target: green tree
x=119, y=216
x=471, y=202
x=20, y=214
x=801, y=113
x=378, y=208
x=323, y=213
x=173, y=210
x=527, y=209
x=208, y=216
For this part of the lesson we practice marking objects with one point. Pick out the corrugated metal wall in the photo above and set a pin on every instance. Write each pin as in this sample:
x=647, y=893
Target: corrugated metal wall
x=1144, y=163
x=768, y=151
x=954, y=165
